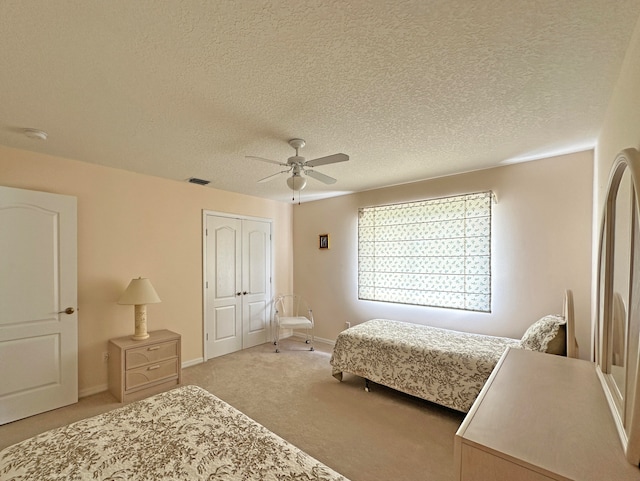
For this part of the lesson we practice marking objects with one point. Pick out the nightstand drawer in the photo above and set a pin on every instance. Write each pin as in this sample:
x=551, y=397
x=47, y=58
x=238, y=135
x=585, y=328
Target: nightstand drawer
x=152, y=372
x=145, y=355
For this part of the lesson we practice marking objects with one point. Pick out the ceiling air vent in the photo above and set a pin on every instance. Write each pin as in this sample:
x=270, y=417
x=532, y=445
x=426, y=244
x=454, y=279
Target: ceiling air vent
x=195, y=180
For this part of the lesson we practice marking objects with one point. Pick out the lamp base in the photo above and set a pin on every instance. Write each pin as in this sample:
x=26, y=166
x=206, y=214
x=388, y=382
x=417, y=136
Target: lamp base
x=141, y=323
x=140, y=338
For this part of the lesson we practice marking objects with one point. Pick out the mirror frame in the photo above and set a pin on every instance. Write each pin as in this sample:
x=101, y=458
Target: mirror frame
x=627, y=407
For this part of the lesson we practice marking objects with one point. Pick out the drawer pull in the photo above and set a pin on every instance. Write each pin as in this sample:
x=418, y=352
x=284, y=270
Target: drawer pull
x=151, y=368
x=154, y=348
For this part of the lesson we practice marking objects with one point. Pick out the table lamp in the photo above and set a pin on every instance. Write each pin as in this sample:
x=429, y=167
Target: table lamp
x=139, y=293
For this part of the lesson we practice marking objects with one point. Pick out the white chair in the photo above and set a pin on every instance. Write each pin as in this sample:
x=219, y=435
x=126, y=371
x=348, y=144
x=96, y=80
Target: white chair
x=291, y=311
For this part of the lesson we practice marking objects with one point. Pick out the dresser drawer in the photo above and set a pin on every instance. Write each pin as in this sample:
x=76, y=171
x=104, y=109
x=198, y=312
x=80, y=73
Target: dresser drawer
x=153, y=372
x=145, y=355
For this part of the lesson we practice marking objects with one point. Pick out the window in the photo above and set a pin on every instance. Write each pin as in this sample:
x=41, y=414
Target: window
x=429, y=253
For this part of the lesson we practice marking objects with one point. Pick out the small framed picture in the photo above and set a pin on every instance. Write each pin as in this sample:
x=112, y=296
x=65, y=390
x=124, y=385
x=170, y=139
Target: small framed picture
x=323, y=242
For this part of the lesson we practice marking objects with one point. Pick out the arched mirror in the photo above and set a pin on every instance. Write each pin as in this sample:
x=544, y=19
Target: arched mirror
x=618, y=329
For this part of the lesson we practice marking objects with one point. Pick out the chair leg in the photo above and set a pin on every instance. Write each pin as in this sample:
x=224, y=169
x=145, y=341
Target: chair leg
x=312, y=339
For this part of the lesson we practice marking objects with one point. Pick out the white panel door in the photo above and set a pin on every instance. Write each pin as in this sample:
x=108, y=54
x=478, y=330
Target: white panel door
x=237, y=284
x=38, y=303
x=256, y=282
x=224, y=284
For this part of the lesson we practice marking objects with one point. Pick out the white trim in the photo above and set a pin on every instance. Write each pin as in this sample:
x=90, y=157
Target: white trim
x=93, y=390
x=315, y=339
x=235, y=216
x=193, y=362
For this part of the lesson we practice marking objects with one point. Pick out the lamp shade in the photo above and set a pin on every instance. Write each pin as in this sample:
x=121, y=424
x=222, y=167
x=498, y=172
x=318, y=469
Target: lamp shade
x=139, y=291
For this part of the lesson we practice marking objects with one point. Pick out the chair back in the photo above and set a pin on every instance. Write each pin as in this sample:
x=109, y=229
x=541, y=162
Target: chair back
x=291, y=305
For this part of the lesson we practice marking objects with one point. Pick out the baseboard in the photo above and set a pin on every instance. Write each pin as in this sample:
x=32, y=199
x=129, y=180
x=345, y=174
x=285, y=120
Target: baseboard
x=92, y=390
x=193, y=362
x=316, y=338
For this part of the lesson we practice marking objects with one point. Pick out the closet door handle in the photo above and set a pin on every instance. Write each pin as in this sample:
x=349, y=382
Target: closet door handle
x=245, y=293
x=238, y=293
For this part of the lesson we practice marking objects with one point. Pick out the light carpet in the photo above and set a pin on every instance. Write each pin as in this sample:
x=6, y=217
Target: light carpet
x=380, y=435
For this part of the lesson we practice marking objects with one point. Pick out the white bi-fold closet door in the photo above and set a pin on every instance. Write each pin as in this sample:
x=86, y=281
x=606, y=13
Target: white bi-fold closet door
x=237, y=283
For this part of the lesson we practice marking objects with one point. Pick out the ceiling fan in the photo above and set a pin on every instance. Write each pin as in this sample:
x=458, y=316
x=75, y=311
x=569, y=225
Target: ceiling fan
x=298, y=167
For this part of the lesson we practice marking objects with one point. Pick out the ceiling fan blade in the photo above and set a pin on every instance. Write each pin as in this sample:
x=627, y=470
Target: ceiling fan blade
x=329, y=159
x=264, y=160
x=272, y=176
x=320, y=176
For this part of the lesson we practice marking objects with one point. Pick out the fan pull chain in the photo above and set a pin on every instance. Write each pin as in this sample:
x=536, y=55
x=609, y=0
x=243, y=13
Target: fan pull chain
x=293, y=196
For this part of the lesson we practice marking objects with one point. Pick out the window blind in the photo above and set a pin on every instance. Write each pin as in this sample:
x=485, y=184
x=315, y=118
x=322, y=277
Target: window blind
x=431, y=253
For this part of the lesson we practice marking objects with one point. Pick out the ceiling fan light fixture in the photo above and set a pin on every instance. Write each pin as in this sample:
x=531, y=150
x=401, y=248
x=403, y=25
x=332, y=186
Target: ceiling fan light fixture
x=296, y=182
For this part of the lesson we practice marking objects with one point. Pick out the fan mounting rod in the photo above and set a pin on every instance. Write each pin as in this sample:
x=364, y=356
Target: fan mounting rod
x=297, y=144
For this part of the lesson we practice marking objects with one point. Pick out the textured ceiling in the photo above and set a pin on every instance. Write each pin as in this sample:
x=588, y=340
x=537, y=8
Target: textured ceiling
x=408, y=89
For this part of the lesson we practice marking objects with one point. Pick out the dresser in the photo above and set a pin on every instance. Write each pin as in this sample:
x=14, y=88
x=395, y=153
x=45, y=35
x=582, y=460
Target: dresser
x=138, y=369
x=541, y=417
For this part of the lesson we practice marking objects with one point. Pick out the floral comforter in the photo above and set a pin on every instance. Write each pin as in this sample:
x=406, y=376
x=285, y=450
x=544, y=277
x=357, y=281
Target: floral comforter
x=439, y=365
x=183, y=434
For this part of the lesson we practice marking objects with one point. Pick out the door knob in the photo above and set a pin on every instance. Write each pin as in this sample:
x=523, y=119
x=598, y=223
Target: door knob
x=245, y=293
x=238, y=293
x=68, y=310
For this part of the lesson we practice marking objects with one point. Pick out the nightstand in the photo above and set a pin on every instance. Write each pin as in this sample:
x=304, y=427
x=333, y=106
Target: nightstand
x=138, y=369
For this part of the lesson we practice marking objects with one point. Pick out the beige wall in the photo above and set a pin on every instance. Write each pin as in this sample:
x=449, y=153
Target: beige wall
x=620, y=130
x=132, y=225
x=621, y=127
x=541, y=245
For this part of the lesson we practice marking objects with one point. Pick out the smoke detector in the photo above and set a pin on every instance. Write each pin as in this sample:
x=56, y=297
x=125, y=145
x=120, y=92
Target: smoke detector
x=35, y=134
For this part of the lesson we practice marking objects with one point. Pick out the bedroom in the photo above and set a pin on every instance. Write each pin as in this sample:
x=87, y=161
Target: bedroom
x=128, y=221
x=114, y=247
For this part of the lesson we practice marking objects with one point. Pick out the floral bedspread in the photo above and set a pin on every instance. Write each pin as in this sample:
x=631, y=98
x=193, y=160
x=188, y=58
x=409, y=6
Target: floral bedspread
x=439, y=365
x=183, y=434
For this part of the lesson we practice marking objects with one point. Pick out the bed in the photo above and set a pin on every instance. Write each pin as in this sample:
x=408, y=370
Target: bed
x=186, y=433
x=440, y=365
